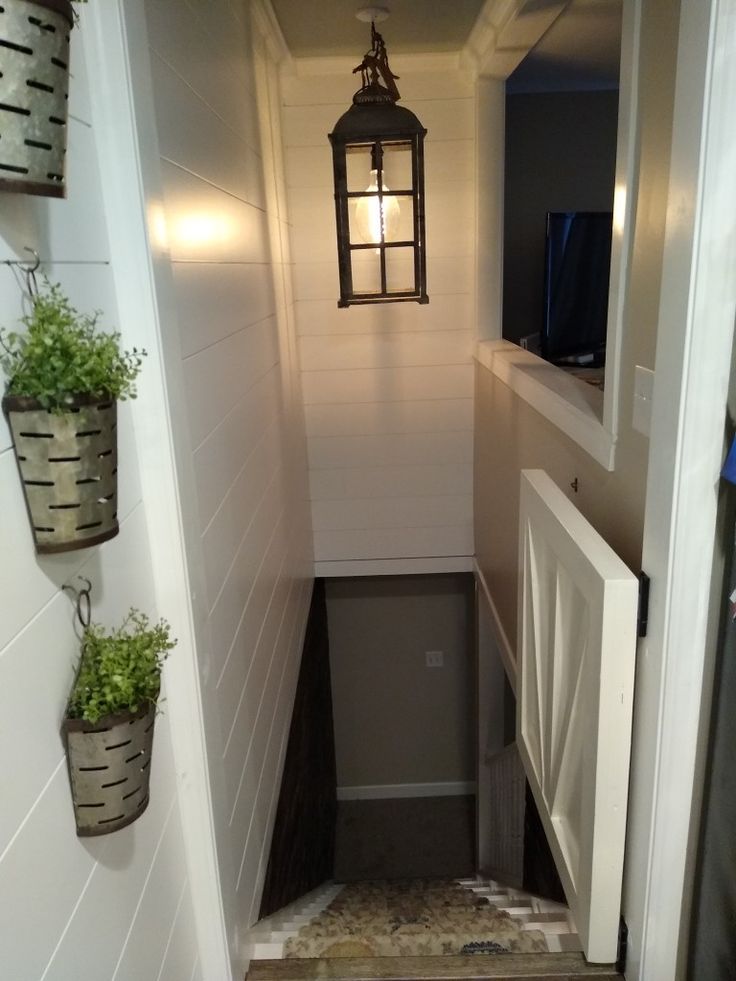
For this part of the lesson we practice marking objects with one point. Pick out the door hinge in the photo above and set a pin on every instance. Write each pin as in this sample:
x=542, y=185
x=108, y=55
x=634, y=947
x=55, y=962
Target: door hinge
x=642, y=613
x=623, y=942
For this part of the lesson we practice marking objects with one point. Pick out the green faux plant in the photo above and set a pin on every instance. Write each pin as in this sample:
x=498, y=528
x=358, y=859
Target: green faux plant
x=62, y=355
x=120, y=669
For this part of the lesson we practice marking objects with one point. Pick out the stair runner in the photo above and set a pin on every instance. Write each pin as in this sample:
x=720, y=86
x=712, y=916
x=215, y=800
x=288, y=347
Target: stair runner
x=414, y=918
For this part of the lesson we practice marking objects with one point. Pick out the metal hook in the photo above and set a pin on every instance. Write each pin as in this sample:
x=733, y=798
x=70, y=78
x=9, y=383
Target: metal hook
x=83, y=601
x=37, y=262
x=31, y=273
x=28, y=270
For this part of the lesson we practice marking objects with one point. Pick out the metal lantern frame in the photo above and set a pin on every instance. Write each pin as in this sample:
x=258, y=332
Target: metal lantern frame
x=374, y=123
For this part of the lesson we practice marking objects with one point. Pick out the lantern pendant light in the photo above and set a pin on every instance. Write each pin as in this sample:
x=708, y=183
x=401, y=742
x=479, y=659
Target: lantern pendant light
x=378, y=160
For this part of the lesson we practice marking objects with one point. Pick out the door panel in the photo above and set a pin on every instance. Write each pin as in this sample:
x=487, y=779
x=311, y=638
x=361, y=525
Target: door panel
x=577, y=645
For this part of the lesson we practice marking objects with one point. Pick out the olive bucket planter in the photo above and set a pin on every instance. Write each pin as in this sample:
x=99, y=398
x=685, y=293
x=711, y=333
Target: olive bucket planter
x=67, y=460
x=34, y=82
x=109, y=769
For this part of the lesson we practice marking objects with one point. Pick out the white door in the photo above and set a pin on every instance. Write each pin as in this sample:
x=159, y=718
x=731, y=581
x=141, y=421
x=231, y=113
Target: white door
x=577, y=644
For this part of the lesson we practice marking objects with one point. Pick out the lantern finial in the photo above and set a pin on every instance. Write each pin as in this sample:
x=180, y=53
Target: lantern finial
x=373, y=65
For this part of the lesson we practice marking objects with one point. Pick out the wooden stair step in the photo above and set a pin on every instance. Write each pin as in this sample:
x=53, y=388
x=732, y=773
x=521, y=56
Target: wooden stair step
x=501, y=967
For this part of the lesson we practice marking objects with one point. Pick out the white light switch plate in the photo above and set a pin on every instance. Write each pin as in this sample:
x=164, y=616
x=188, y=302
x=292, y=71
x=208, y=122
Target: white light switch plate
x=434, y=659
x=643, y=389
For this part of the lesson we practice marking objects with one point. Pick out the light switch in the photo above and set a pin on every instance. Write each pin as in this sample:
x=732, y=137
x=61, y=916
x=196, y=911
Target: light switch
x=643, y=390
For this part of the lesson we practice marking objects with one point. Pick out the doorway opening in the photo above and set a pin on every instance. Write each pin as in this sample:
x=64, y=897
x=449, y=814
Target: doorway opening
x=402, y=667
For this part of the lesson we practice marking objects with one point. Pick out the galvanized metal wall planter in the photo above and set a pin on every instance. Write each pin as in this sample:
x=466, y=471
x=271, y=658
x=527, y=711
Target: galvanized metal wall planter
x=68, y=466
x=34, y=82
x=109, y=769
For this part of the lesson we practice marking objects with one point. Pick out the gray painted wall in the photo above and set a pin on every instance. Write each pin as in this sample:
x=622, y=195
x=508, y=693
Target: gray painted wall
x=560, y=156
x=396, y=720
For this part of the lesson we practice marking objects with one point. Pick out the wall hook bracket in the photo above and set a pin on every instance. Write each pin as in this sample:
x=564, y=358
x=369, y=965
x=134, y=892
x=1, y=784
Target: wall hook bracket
x=29, y=269
x=82, y=600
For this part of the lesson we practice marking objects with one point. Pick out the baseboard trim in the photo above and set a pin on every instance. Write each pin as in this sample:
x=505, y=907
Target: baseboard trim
x=387, y=791
x=335, y=568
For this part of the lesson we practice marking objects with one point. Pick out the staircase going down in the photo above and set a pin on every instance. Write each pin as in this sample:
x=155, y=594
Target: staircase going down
x=312, y=940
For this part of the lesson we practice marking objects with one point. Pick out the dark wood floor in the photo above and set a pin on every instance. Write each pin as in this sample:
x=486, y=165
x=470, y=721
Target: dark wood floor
x=405, y=838
x=514, y=967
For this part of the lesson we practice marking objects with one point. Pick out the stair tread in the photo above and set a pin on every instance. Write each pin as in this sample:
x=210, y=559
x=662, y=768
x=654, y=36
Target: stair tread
x=526, y=967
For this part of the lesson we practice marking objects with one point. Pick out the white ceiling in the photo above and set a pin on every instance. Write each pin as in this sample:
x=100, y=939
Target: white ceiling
x=580, y=50
x=329, y=27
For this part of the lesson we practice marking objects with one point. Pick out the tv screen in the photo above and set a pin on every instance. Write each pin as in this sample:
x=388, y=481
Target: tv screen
x=577, y=270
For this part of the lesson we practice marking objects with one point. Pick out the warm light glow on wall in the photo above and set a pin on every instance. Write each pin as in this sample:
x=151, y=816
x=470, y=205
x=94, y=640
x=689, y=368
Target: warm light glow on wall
x=204, y=228
x=619, y=208
x=157, y=227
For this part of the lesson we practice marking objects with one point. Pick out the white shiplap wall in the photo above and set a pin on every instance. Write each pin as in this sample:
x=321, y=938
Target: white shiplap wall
x=388, y=389
x=240, y=428
x=117, y=907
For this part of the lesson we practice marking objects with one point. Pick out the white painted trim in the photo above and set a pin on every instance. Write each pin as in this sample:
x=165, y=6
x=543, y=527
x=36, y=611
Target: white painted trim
x=568, y=403
x=393, y=567
x=694, y=340
x=392, y=791
x=437, y=61
x=270, y=29
x=116, y=49
x=505, y=32
x=292, y=916
x=508, y=655
x=626, y=183
x=490, y=161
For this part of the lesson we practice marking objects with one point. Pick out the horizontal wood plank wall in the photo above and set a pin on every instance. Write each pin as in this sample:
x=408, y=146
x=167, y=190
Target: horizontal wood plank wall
x=388, y=389
x=215, y=93
x=97, y=908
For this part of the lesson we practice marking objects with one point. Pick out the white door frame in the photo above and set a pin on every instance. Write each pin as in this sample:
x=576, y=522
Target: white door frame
x=694, y=338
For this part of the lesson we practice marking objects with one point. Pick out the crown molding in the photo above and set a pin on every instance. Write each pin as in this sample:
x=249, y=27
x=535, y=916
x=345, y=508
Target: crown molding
x=504, y=32
x=266, y=22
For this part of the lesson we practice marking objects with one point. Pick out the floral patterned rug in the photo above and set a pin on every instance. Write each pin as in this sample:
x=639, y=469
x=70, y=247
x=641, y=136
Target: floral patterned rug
x=417, y=917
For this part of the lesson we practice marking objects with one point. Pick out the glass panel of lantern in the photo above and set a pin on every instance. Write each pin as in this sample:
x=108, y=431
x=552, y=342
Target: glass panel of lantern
x=358, y=163
x=367, y=271
x=380, y=214
x=400, y=272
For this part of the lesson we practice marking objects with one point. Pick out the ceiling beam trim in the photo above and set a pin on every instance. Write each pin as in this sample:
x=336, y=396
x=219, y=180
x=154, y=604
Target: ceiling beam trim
x=266, y=22
x=504, y=33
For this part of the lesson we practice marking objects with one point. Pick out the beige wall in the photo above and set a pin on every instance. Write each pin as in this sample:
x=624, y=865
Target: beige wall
x=396, y=720
x=510, y=435
x=388, y=388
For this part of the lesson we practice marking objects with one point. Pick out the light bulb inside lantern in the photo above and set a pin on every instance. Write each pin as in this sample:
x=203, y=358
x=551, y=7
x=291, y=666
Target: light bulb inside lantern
x=373, y=214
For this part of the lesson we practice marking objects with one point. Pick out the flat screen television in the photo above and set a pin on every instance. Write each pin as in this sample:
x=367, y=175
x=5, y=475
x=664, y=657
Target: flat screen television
x=577, y=269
